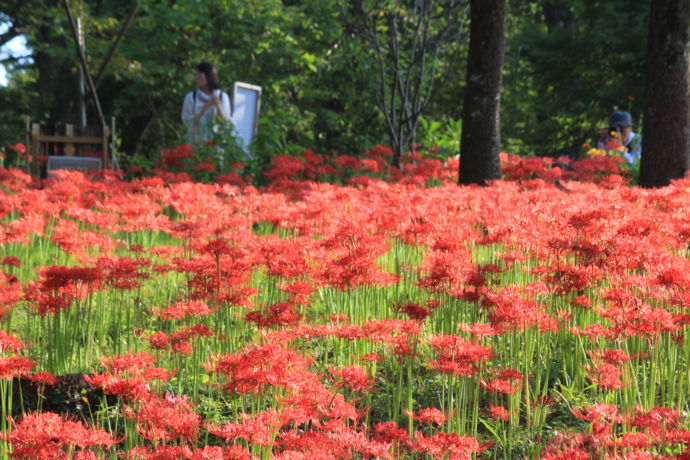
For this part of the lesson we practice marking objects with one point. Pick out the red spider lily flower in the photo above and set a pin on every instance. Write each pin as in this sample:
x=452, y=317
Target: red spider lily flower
x=19, y=148
x=633, y=441
x=497, y=413
x=347, y=161
x=44, y=303
x=42, y=378
x=128, y=364
x=179, y=310
x=7, y=342
x=543, y=400
x=379, y=150
x=339, y=318
x=201, y=330
x=285, y=258
x=593, y=331
x=285, y=167
x=182, y=347
x=584, y=219
x=165, y=419
x=218, y=247
x=15, y=366
x=459, y=447
x=602, y=412
x=561, y=449
x=354, y=377
x=124, y=273
x=508, y=381
x=390, y=432
x=159, y=340
x=178, y=341
x=130, y=376
x=428, y=416
x=481, y=330
x=432, y=304
x=357, y=443
x=582, y=301
x=457, y=356
x=258, y=367
x=239, y=296
x=158, y=373
x=387, y=330
x=602, y=416
x=128, y=389
x=501, y=386
x=10, y=261
x=615, y=356
x=259, y=430
x=298, y=288
x=56, y=277
x=173, y=157
x=614, y=145
x=372, y=358
x=414, y=311
x=311, y=402
x=606, y=376
x=278, y=314
x=162, y=452
x=48, y=435
x=657, y=422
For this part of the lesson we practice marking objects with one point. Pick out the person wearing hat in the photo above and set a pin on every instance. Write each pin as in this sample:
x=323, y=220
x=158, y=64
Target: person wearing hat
x=619, y=138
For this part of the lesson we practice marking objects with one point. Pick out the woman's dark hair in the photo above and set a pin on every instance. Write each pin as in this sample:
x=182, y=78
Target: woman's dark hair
x=211, y=74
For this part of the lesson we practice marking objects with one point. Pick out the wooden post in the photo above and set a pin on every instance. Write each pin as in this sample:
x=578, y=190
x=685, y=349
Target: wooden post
x=68, y=149
x=106, y=157
x=33, y=150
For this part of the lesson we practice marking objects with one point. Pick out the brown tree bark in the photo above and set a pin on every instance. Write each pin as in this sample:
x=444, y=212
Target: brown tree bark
x=666, y=133
x=479, y=145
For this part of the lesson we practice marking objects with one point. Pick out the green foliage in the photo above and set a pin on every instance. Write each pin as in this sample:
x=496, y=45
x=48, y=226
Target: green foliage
x=442, y=139
x=312, y=93
x=414, y=45
x=565, y=74
x=566, y=70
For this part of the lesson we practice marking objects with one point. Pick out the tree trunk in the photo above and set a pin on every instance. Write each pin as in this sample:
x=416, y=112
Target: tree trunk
x=666, y=132
x=479, y=146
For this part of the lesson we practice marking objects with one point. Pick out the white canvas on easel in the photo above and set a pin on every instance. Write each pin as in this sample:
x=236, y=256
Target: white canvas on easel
x=245, y=112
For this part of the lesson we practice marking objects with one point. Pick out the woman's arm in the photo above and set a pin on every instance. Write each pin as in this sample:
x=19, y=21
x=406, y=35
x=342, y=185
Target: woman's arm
x=223, y=107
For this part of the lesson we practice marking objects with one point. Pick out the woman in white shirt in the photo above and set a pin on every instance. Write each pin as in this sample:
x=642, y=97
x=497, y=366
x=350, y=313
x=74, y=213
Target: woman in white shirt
x=205, y=105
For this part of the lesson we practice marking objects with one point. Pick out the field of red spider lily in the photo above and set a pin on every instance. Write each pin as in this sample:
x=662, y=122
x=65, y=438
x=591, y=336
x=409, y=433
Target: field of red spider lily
x=168, y=319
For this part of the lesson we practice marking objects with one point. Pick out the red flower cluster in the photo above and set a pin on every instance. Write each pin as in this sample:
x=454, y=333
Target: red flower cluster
x=326, y=313
x=48, y=435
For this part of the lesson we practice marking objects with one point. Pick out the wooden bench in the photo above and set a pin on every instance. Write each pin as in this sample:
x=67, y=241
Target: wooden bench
x=73, y=142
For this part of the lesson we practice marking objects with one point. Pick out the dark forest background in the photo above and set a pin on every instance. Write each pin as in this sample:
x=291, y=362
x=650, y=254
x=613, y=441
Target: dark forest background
x=568, y=65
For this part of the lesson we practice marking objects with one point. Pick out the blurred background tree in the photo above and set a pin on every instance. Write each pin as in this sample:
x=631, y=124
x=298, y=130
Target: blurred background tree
x=568, y=65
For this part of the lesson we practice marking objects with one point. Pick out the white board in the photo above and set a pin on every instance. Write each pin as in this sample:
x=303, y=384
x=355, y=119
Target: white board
x=245, y=112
